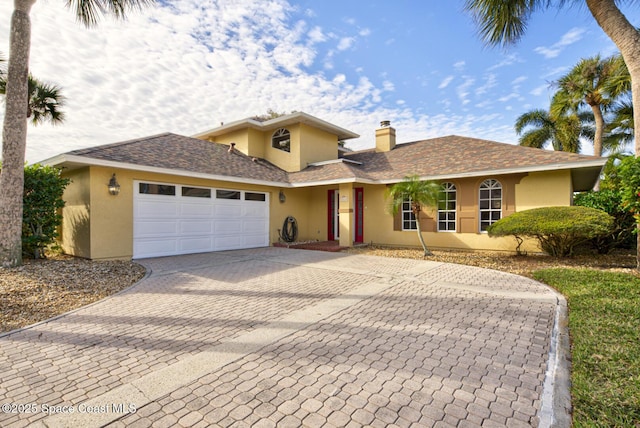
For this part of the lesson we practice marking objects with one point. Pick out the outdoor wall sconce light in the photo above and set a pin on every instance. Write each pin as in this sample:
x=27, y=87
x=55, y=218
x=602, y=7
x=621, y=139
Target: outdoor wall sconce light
x=282, y=197
x=114, y=187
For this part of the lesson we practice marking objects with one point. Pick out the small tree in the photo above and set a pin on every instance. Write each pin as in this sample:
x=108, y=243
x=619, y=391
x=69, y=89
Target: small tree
x=421, y=194
x=42, y=201
x=558, y=229
x=609, y=200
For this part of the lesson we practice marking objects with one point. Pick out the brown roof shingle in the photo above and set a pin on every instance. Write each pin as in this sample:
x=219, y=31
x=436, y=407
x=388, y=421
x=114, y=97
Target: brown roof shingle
x=445, y=156
x=455, y=155
x=178, y=152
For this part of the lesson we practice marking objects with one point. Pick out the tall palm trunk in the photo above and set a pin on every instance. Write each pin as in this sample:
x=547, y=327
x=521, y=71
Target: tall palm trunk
x=599, y=134
x=627, y=39
x=416, y=213
x=14, y=136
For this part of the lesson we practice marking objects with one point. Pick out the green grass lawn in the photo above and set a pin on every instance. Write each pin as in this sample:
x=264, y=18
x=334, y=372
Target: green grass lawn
x=604, y=325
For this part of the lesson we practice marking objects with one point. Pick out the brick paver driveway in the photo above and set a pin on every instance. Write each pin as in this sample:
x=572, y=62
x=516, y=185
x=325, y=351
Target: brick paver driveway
x=277, y=337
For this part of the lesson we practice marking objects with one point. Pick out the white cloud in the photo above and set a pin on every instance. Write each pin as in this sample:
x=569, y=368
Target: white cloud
x=463, y=90
x=445, y=82
x=506, y=61
x=508, y=97
x=519, y=80
x=364, y=32
x=490, y=81
x=184, y=66
x=539, y=90
x=345, y=43
x=316, y=35
x=459, y=66
x=388, y=86
x=570, y=37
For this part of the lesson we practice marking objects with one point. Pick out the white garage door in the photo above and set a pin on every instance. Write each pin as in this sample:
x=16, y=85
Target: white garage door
x=173, y=219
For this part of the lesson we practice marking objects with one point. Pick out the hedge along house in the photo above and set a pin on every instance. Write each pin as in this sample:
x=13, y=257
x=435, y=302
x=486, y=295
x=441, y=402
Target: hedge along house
x=233, y=186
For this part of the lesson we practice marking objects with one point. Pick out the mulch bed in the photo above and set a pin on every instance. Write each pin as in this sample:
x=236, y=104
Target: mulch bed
x=41, y=289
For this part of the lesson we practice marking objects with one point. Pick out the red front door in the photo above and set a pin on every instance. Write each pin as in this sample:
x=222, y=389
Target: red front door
x=333, y=224
x=359, y=212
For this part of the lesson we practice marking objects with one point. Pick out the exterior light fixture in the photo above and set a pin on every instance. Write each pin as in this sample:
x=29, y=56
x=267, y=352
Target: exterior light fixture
x=114, y=187
x=282, y=197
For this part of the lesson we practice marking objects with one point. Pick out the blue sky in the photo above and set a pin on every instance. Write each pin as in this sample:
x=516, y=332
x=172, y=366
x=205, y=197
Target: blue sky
x=187, y=65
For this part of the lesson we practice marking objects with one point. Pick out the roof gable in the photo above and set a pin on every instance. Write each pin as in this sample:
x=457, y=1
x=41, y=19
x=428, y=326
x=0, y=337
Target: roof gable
x=279, y=122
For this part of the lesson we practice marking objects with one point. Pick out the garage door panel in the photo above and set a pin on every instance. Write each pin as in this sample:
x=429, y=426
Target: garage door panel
x=196, y=210
x=194, y=245
x=227, y=226
x=153, y=228
x=192, y=227
x=184, y=223
x=227, y=211
x=156, y=209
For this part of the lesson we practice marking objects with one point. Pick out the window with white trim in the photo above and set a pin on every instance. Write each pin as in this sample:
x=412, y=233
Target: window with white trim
x=408, y=218
x=281, y=140
x=490, y=203
x=447, y=208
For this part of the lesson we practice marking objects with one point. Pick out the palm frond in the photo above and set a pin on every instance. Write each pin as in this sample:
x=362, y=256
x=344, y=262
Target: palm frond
x=89, y=12
x=502, y=22
x=45, y=101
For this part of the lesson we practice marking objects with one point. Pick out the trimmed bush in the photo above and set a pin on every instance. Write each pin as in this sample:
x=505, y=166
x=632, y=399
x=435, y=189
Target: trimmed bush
x=558, y=229
x=42, y=201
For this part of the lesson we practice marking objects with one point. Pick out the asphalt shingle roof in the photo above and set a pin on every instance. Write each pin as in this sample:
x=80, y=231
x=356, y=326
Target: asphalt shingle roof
x=453, y=155
x=178, y=152
x=444, y=156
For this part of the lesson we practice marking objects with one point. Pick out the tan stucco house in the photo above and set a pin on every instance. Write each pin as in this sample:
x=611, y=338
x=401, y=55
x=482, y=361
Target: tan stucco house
x=233, y=186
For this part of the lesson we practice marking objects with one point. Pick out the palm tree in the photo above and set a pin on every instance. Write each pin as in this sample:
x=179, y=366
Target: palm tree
x=420, y=194
x=538, y=128
x=14, y=131
x=45, y=101
x=596, y=83
x=502, y=22
x=619, y=130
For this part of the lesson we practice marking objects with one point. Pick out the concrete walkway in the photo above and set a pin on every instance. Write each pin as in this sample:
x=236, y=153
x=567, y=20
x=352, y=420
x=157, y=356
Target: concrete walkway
x=278, y=337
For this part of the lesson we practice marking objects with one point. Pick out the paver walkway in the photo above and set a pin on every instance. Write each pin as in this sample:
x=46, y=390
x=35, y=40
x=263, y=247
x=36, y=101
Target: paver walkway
x=279, y=337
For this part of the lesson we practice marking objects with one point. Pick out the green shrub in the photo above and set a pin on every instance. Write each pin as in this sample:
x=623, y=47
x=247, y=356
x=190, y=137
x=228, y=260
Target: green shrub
x=609, y=200
x=558, y=229
x=629, y=174
x=42, y=201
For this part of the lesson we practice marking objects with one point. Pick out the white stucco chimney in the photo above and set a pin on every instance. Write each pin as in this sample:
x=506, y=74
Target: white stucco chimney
x=385, y=137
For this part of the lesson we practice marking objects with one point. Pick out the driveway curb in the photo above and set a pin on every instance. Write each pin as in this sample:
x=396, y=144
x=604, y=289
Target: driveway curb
x=555, y=408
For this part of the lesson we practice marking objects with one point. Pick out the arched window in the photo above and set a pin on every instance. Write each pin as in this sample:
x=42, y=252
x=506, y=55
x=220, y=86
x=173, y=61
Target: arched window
x=490, y=203
x=281, y=140
x=447, y=208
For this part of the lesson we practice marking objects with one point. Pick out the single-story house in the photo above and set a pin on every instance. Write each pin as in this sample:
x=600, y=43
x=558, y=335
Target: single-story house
x=234, y=186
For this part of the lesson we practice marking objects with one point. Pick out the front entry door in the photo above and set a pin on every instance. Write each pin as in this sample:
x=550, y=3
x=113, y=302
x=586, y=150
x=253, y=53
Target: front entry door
x=359, y=209
x=333, y=215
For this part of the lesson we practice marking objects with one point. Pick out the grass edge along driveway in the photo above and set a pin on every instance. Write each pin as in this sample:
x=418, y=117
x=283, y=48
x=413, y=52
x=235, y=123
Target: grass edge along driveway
x=604, y=326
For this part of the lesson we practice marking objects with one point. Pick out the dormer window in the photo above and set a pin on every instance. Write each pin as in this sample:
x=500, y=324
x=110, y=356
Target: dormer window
x=281, y=140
